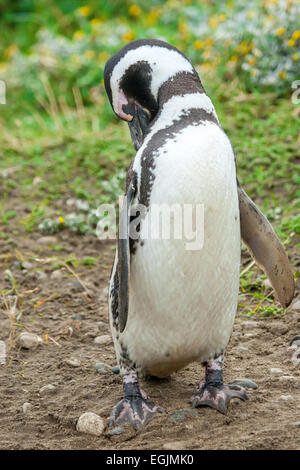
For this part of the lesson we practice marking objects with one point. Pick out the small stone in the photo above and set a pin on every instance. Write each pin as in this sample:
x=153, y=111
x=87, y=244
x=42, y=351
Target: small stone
x=176, y=445
x=101, y=325
x=278, y=328
x=249, y=324
x=48, y=240
x=102, y=368
x=27, y=407
x=40, y=275
x=2, y=353
x=285, y=397
x=115, y=369
x=76, y=285
x=245, y=383
x=180, y=415
x=104, y=339
x=71, y=202
x=29, y=340
x=287, y=378
x=296, y=423
x=249, y=335
x=47, y=389
x=267, y=285
x=115, y=432
x=73, y=361
x=242, y=348
x=274, y=370
x=57, y=274
x=26, y=265
x=296, y=305
x=76, y=316
x=90, y=423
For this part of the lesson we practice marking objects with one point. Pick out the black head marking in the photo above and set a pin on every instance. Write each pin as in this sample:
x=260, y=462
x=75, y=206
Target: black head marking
x=136, y=80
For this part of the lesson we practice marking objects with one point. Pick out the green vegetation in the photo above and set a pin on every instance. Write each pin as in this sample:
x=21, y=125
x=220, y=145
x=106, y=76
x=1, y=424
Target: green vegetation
x=62, y=149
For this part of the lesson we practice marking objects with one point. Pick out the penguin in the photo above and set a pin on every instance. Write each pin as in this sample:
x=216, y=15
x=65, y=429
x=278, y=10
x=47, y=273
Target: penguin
x=170, y=305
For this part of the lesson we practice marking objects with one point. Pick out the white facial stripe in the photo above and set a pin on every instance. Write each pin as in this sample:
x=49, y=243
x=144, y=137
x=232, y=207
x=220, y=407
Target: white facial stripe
x=165, y=63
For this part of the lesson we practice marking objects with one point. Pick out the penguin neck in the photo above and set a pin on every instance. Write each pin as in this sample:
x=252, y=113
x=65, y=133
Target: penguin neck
x=178, y=97
x=179, y=85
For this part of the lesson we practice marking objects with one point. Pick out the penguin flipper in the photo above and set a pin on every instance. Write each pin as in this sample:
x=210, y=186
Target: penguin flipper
x=124, y=257
x=266, y=248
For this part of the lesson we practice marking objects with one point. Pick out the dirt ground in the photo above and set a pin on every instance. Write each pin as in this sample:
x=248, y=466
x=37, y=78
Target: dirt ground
x=48, y=304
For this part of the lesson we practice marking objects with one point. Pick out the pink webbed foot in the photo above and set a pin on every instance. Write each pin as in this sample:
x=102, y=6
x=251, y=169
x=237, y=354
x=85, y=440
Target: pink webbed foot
x=218, y=396
x=135, y=409
x=212, y=391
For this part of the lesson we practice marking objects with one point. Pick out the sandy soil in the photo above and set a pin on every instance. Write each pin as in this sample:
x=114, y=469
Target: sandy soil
x=47, y=305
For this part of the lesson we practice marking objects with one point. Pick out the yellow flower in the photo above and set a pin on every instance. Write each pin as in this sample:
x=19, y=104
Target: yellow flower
x=295, y=57
x=213, y=22
x=269, y=18
x=233, y=58
x=153, y=16
x=242, y=48
x=198, y=44
x=95, y=22
x=206, y=54
x=183, y=27
x=209, y=41
x=280, y=31
x=252, y=61
x=134, y=10
x=84, y=11
x=250, y=14
x=103, y=56
x=10, y=51
x=222, y=17
x=129, y=36
x=79, y=35
x=61, y=219
x=89, y=54
x=206, y=65
x=296, y=34
x=291, y=42
x=282, y=74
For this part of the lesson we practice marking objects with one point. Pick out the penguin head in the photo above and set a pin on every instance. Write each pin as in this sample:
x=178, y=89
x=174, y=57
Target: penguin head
x=134, y=76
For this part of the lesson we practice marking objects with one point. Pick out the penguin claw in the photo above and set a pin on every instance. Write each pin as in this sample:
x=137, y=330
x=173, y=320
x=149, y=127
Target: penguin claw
x=135, y=411
x=218, y=397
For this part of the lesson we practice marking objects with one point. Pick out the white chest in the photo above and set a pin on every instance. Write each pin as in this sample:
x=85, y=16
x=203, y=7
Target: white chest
x=183, y=302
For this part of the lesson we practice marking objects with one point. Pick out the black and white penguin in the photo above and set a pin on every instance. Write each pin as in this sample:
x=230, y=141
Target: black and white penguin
x=169, y=306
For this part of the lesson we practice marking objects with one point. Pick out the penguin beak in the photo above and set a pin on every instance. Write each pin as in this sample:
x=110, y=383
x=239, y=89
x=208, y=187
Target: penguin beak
x=138, y=126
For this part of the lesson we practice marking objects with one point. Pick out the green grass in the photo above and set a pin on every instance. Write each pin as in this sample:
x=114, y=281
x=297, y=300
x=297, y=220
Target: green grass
x=83, y=165
x=58, y=144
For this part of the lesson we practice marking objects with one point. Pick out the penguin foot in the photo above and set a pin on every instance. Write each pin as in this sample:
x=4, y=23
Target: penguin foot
x=218, y=396
x=212, y=391
x=135, y=409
